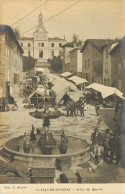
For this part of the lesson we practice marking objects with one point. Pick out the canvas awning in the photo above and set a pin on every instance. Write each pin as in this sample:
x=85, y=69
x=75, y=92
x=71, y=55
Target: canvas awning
x=77, y=80
x=40, y=91
x=75, y=95
x=39, y=69
x=61, y=87
x=62, y=81
x=60, y=91
x=66, y=74
x=105, y=90
x=51, y=77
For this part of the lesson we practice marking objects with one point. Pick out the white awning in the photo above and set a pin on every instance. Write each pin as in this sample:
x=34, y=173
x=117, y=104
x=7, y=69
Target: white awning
x=66, y=74
x=75, y=95
x=105, y=90
x=60, y=91
x=77, y=80
x=61, y=87
x=40, y=91
x=39, y=69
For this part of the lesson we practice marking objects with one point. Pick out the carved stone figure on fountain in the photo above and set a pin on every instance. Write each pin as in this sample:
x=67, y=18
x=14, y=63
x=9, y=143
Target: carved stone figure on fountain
x=63, y=143
x=46, y=140
x=26, y=144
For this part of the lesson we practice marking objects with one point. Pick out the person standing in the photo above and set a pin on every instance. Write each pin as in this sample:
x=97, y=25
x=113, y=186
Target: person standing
x=114, y=144
x=106, y=138
x=68, y=108
x=97, y=106
x=82, y=109
x=85, y=107
x=96, y=143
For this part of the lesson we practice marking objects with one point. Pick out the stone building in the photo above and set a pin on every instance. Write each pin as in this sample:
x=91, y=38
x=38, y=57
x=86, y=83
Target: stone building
x=10, y=60
x=66, y=55
x=92, y=60
x=76, y=61
x=40, y=46
x=118, y=65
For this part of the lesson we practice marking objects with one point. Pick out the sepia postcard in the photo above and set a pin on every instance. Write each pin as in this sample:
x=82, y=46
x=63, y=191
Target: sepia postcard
x=62, y=96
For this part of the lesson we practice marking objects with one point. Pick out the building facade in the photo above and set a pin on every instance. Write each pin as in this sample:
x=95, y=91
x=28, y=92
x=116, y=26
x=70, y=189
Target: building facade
x=107, y=63
x=76, y=61
x=118, y=65
x=92, y=60
x=66, y=56
x=10, y=59
x=106, y=66
x=40, y=46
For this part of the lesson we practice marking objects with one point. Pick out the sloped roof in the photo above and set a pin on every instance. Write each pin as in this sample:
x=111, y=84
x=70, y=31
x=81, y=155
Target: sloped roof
x=76, y=48
x=53, y=38
x=26, y=38
x=68, y=44
x=121, y=42
x=97, y=43
x=56, y=38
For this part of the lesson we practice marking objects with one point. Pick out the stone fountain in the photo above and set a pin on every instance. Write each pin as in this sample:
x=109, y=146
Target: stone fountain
x=44, y=152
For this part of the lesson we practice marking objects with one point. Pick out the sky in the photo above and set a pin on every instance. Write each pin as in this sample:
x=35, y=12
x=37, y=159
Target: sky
x=87, y=19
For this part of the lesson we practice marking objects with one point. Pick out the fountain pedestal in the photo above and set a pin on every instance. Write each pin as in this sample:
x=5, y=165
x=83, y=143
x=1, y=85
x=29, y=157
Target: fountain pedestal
x=43, y=173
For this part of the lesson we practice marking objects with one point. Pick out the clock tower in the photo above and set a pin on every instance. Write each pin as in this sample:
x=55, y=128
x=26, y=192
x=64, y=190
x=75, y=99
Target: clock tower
x=40, y=33
x=40, y=41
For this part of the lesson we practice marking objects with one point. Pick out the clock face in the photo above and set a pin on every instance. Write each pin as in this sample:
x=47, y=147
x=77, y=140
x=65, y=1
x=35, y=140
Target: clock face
x=40, y=36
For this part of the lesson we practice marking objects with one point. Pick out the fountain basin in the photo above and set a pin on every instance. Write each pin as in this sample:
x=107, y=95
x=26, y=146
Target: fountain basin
x=79, y=154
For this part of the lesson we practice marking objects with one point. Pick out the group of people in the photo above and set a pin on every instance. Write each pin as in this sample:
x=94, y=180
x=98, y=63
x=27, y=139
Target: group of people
x=110, y=142
x=74, y=108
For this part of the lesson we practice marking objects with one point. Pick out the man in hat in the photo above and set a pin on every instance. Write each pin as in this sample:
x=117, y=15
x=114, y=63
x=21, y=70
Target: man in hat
x=106, y=138
x=96, y=143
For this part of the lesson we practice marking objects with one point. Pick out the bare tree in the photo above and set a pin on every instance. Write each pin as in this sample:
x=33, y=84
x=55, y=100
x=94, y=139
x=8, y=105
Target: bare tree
x=17, y=33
